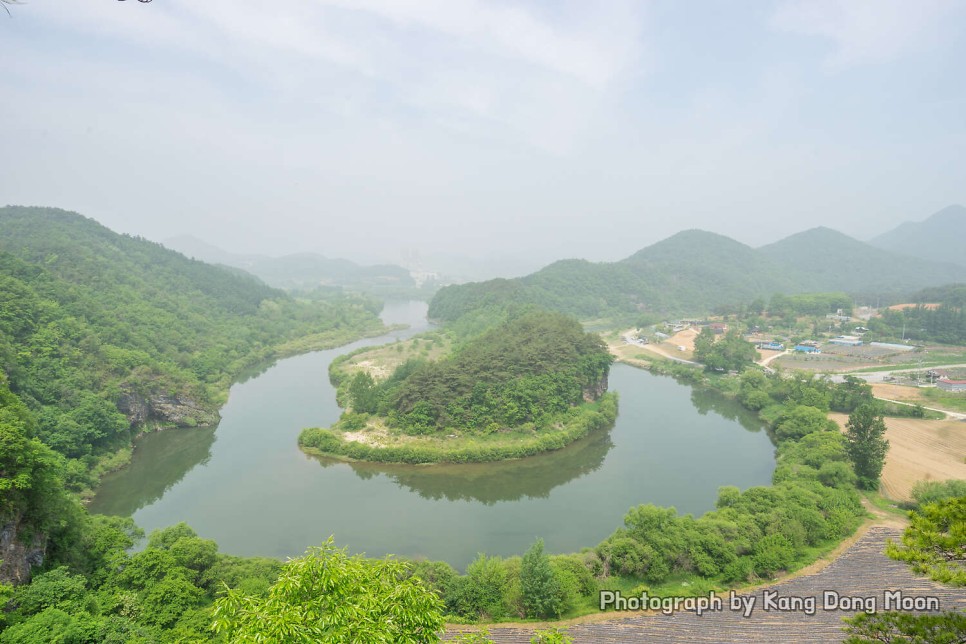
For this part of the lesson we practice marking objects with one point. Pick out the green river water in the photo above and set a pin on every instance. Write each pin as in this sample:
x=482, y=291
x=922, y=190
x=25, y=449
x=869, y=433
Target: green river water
x=247, y=485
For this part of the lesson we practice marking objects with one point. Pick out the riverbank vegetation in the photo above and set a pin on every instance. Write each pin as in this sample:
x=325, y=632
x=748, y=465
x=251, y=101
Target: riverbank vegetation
x=105, y=335
x=752, y=535
x=533, y=383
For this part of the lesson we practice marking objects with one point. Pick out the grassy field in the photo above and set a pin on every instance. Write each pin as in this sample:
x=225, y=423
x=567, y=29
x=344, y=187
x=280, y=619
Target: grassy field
x=926, y=396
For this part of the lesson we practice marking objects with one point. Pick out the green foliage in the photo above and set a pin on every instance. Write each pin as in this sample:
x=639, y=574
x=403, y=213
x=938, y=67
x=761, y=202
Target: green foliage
x=789, y=306
x=731, y=353
x=576, y=423
x=551, y=636
x=481, y=636
x=945, y=323
x=761, y=531
x=55, y=589
x=848, y=396
x=934, y=544
x=31, y=474
x=917, y=628
x=329, y=596
x=524, y=370
x=482, y=592
x=926, y=492
x=773, y=553
x=542, y=593
x=867, y=446
x=802, y=420
x=92, y=322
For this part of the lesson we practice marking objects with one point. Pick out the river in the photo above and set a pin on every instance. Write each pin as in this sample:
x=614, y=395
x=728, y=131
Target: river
x=246, y=484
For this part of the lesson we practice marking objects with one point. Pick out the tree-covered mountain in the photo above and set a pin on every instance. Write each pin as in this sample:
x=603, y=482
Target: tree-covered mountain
x=696, y=271
x=102, y=334
x=828, y=260
x=937, y=238
x=306, y=271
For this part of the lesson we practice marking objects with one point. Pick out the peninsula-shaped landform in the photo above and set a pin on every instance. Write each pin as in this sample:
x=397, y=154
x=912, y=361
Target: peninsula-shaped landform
x=533, y=383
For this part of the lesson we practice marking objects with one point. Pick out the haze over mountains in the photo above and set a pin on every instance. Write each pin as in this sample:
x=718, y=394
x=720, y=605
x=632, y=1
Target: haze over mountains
x=941, y=237
x=695, y=271
x=304, y=271
x=689, y=272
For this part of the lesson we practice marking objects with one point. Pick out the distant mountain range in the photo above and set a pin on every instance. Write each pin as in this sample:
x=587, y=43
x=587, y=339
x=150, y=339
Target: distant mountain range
x=941, y=237
x=695, y=271
x=305, y=271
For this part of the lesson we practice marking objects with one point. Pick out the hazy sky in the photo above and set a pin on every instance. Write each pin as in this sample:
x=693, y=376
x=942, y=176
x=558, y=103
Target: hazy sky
x=359, y=128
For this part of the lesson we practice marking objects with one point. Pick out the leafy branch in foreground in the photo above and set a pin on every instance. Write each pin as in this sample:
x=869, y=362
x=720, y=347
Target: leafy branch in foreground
x=934, y=544
x=329, y=596
x=945, y=628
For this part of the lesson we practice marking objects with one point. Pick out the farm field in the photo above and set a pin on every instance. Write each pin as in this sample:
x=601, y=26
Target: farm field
x=931, y=450
x=836, y=358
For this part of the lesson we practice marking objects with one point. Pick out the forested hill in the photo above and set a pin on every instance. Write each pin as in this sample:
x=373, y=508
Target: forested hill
x=695, y=271
x=938, y=237
x=101, y=333
x=829, y=258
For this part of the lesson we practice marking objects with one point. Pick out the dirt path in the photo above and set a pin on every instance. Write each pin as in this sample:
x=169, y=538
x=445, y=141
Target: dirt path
x=931, y=450
x=624, y=349
x=768, y=356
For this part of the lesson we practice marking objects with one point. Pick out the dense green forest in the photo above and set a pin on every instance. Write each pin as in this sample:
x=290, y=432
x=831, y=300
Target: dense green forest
x=696, y=271
x=537, y=373
x=102, y=335
x=945, y=323
x=525, y=370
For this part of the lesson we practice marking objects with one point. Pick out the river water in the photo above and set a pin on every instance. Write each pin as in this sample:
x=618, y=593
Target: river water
x=246, y=484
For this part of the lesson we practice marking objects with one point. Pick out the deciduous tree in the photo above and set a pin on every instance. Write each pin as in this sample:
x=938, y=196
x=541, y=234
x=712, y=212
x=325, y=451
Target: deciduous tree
x=867, y=445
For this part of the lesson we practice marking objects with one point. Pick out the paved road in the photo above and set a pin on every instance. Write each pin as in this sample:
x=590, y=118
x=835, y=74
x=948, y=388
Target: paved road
x=877, y=376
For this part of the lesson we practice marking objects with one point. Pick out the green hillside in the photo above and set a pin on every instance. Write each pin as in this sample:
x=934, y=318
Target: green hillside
x=937, y=238
x=828, y=260
x=696, y=271
x=104, y=334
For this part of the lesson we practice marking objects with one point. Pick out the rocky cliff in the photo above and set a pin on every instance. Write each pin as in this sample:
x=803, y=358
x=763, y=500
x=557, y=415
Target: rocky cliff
x=20, y=551
x=179, y=410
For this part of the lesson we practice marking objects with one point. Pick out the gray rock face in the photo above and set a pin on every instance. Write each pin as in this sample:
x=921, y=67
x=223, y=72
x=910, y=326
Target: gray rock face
x=20, y=551
x=179, y=410
x=597, y=390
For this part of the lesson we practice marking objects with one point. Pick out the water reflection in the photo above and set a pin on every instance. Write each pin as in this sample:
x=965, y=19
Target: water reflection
x=489, y=483
x=255, y=493
x=708, y=400
x=160, y=461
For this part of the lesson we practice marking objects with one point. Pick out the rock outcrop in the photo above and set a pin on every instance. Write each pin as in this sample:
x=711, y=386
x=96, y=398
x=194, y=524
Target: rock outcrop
x=179, y=410
x=597, y=390
x=21, y=550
